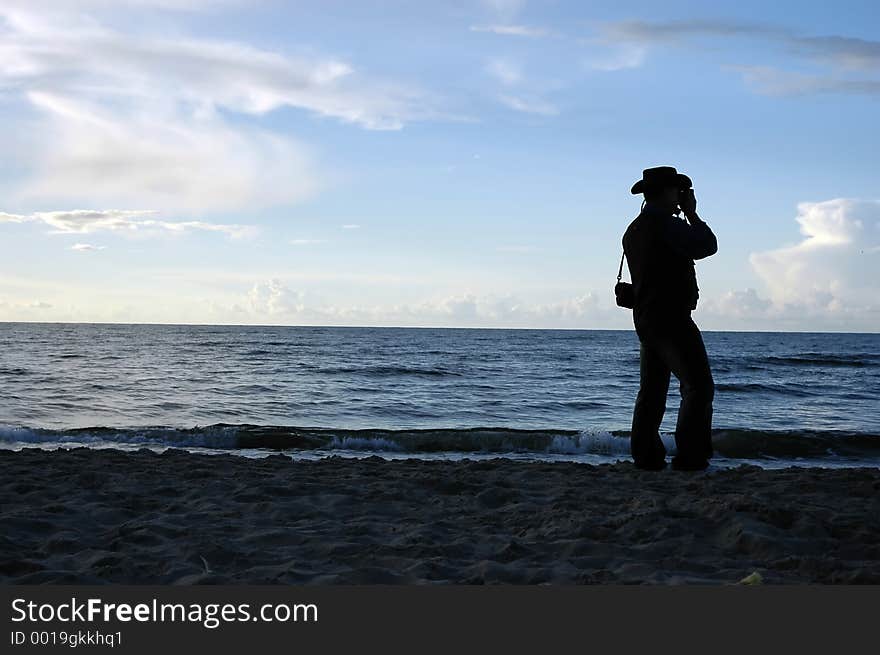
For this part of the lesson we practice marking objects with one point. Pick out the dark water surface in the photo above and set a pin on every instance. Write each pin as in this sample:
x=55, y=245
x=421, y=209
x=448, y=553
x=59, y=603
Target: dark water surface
x=781, y=397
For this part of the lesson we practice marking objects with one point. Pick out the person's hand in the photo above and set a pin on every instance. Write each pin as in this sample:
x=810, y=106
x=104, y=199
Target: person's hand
x=688, y=202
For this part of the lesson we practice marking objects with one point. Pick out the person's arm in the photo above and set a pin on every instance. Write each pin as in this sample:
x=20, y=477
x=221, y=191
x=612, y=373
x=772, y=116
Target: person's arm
x=694, y=240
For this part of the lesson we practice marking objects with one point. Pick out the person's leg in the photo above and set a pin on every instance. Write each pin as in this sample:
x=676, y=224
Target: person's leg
x=684, y=353
x=645, y=444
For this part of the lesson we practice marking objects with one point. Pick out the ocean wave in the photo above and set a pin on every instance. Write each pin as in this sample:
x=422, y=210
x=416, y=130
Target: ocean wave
x=823, y=359
x=391, y=371
x=15, y=370
x=730, y=443
x=757, y=387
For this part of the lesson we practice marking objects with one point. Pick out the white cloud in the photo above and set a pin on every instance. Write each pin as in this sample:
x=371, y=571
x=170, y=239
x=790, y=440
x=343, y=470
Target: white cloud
x=505, y=71
x=513, y=30
x=87, y=154
x=743, y=304
x=28, y=310
x=826, y=281
x=206, y=73
x=846, y=52
x=737, y=310
x=351, y=226
x=273, y=298
x=169, y=5
x=121, y=221
x=85, y=247
x=529, y=105
x=520, y=93
x=507, y=310
x=620, y=57
x=625, y=44
x=773, y=81
x=630, y=41
x=675, y=31
x=834, y=269
x=135, y=119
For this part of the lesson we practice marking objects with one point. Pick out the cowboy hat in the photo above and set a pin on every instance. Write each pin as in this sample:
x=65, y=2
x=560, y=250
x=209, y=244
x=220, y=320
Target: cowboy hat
x=659, y=177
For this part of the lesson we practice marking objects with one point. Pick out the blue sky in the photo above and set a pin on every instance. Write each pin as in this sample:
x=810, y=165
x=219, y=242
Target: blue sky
x=461, y=163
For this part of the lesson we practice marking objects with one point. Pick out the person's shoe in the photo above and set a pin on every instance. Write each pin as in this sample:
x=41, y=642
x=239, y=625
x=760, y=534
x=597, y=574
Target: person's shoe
x=679, y=464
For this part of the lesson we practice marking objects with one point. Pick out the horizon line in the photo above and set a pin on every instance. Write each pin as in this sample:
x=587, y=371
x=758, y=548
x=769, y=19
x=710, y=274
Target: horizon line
x=415, y=327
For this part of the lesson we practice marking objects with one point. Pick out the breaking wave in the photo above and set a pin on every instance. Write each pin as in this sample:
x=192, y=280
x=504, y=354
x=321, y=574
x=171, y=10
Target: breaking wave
x=730, y=443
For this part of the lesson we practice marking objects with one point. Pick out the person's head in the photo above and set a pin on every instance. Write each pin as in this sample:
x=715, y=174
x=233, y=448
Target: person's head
x=663, y=196
x=661, y=186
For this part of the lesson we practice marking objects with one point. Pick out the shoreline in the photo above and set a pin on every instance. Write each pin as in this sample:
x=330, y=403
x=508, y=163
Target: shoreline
x=717, y=463
x=106, y=516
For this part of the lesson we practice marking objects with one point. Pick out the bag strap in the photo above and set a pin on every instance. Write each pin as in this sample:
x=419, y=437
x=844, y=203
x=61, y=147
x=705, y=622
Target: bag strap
x=620, y=270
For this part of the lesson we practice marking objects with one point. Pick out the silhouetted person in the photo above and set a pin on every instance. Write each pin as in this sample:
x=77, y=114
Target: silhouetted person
x=660, y=250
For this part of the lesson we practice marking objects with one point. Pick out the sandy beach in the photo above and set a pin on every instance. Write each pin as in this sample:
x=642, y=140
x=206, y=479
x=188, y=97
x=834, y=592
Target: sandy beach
x=86, y=516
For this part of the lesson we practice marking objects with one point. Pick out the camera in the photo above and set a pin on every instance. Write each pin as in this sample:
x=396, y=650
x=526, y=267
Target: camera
x=685, y=195
x=624, y=294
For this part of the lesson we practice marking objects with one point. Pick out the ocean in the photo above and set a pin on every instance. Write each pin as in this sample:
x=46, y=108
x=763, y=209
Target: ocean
x=782, y=399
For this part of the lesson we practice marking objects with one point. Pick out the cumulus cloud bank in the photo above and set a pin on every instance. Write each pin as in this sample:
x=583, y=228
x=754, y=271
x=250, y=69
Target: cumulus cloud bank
x=274, y=301
x=835, y=267
x=827, y=280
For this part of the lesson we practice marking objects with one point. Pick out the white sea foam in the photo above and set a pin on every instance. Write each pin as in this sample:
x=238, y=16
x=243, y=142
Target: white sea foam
x=600, y=443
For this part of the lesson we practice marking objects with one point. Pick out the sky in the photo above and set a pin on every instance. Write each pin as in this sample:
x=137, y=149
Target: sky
x=463, y=163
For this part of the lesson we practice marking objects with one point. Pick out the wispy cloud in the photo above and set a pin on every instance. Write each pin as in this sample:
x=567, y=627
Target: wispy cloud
x=529, y=105
x=351, y=226
x=505, y=71
x=121, y=221
x=675, y=31
x=628, y=43
x=520, y=93
x=128, y=118
x=206, y=74
x=85, y=247
x=619, y=57
x=773, y=81
x=89, y=154
x=167, y=5
x=513, y=30
x=843, y=51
